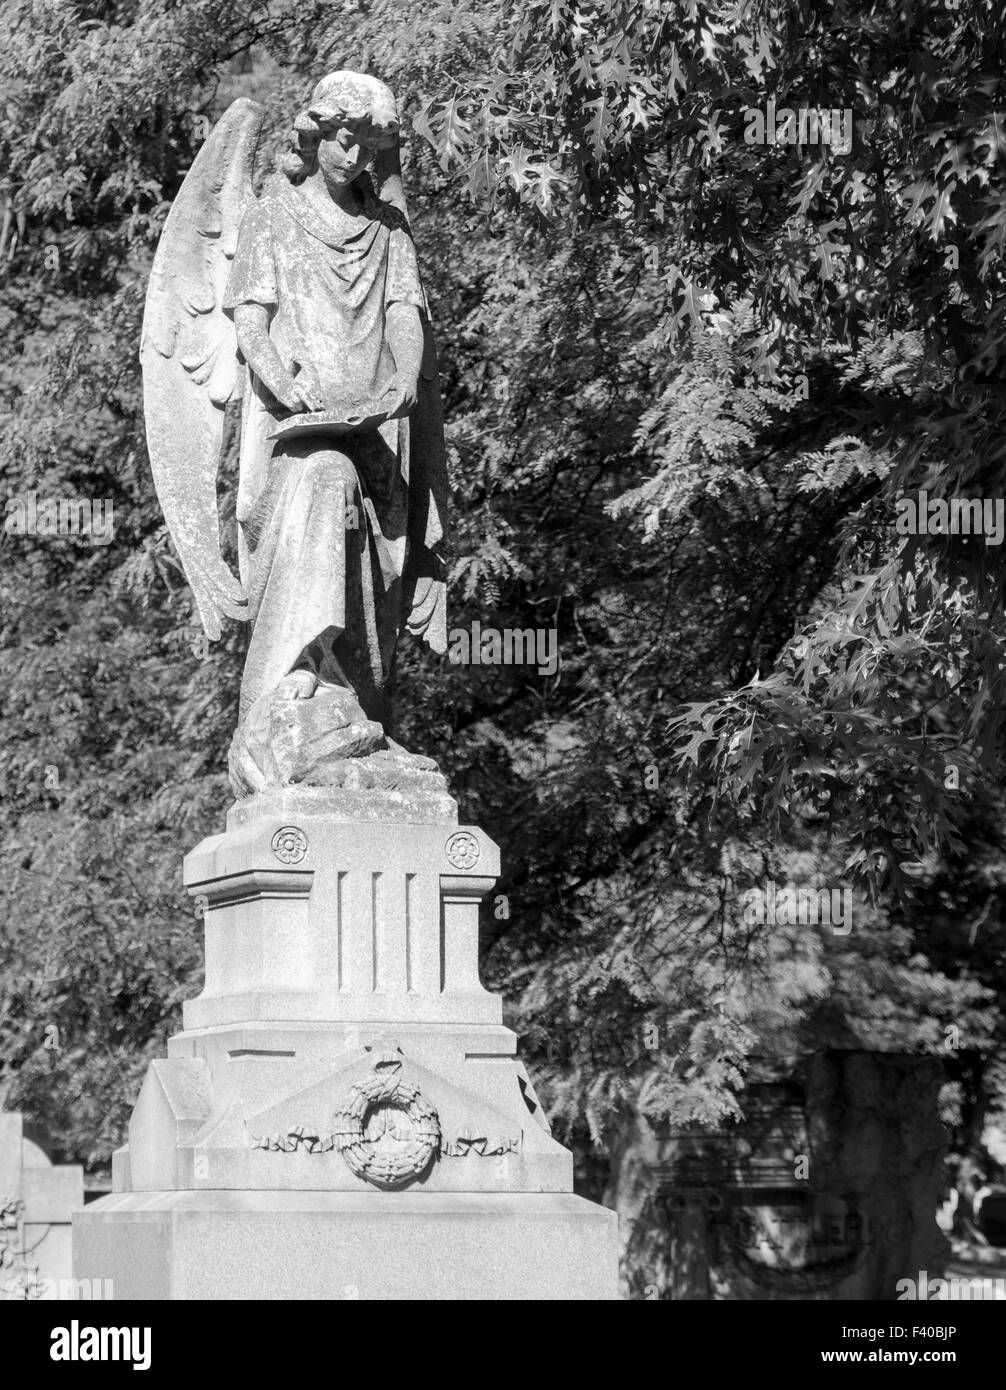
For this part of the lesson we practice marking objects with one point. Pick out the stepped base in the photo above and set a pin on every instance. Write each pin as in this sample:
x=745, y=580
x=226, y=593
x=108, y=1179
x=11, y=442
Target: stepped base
x=348, y=1245
x=344, y=1115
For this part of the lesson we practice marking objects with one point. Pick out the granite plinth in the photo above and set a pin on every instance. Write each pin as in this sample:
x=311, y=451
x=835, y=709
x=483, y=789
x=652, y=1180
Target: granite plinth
x=334, y=1245
x=344, y=1109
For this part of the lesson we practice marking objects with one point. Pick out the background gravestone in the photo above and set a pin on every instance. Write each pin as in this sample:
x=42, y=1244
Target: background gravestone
x=37, y=1202
x=828, y=1189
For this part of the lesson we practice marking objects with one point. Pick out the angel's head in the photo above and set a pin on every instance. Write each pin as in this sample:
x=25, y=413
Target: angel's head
x=350, y=118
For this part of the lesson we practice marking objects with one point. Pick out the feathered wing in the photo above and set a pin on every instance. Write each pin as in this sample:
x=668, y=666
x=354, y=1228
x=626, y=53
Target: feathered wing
x=424, y=578
x=189, y=355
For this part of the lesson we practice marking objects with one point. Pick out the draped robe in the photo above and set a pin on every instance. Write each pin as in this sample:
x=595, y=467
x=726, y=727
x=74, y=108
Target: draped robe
x=327, y=523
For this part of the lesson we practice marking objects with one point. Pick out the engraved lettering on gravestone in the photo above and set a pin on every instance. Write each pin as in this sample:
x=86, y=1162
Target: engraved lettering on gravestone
x=303, y=302
x=796, y=1238
x=289, y=844
x=462, y=850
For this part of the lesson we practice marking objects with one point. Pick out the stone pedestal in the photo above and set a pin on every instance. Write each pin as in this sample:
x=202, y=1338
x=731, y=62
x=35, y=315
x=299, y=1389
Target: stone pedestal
x=344, y=1114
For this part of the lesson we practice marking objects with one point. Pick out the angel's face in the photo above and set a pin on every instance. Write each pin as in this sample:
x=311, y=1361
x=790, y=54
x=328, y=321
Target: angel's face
x=343, y=154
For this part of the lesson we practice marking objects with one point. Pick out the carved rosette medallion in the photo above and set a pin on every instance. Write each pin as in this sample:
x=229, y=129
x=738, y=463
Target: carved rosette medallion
x=462, y=850
x=386, y=1131
x=289, y=844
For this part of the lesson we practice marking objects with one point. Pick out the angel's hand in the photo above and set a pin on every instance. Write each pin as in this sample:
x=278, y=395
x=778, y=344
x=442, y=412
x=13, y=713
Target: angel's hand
x=294, y=387
x=400, y=397
x=305, y=391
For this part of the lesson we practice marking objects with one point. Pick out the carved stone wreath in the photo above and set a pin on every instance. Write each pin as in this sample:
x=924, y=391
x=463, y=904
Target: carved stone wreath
x=387, y=1159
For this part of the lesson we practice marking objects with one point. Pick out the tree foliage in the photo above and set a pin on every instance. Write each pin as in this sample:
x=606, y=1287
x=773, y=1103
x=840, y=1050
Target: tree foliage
x=875, y=271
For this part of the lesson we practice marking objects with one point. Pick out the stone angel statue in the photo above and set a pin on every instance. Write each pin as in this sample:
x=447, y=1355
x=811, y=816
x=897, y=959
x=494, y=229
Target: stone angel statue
x=305, y=303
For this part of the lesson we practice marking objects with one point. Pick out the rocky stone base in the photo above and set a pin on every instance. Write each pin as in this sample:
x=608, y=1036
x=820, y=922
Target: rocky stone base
x=281, y=742
x=389, y=786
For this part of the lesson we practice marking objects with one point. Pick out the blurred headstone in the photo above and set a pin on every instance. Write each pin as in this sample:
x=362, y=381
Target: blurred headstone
x=37, y=1202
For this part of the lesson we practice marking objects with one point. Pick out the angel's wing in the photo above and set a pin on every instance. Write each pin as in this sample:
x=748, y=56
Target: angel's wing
x=425, y=589
x=190, y=358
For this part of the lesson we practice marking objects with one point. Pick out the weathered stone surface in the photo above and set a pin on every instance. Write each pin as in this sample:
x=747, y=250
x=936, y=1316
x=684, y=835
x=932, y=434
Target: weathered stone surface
x=311, y=307
x=37, y=1200
x=310, y=919
x=361, y=1245
x=283, y=741
x=371, y=790
x=384, y=769
x=344, y=1047
x=266, y=1107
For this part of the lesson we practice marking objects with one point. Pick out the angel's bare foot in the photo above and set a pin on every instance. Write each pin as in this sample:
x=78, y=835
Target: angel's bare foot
x=298, y=685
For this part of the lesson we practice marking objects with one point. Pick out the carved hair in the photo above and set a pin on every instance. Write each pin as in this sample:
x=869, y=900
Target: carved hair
x=341, y=100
